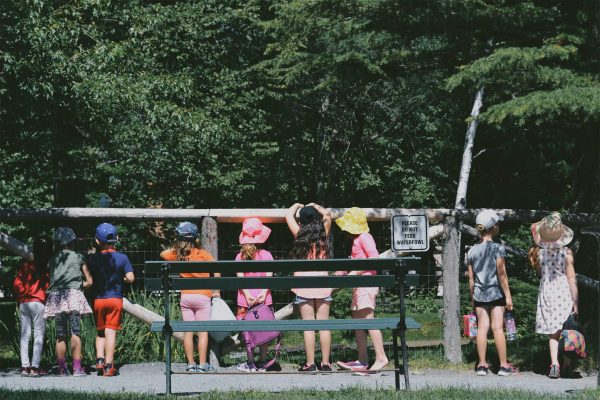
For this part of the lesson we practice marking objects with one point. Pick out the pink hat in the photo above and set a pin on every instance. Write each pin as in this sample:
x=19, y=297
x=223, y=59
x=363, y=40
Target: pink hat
x=253, y=231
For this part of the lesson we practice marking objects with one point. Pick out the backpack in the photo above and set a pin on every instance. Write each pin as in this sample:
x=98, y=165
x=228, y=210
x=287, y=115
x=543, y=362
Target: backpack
x=572, y=340
x=260, y=312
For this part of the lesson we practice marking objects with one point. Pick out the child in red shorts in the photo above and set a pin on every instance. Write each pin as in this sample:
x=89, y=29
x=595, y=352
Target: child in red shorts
x=109, y=269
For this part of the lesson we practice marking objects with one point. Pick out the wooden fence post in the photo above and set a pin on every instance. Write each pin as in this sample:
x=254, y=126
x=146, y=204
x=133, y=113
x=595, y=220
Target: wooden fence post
x=209, y=239
x=451, y=270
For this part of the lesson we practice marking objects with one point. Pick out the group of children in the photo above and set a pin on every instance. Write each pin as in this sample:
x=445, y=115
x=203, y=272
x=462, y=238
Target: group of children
x=491, y=296
x=52, y=287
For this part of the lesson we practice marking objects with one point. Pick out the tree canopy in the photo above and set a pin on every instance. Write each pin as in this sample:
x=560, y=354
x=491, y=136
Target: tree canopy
x=264, y=103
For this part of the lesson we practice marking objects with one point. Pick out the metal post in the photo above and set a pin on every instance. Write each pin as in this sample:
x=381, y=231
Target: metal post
x=396, y=361
x=167, y=330
x=402, y=324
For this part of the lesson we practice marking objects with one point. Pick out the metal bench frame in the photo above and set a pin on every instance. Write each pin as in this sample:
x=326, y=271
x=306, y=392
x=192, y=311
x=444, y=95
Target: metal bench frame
x=391, y=272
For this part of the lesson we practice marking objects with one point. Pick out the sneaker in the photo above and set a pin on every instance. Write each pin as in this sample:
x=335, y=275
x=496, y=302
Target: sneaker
x=100, y=364
x=63, y=371
x=245, y=367
x=206, y=368
x=37, y=371
x=325, y=368
x=482, y=370
x=25, y=371
x=554, y=372
x=507, y=370
x=79, y=372
x=312, y=368
x=191, y=368
x=352, y=365
x=110, y=370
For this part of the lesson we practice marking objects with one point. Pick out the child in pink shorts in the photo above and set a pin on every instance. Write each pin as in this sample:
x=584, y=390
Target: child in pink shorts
x=253, y=235
x=354, y=222
x=196, y=305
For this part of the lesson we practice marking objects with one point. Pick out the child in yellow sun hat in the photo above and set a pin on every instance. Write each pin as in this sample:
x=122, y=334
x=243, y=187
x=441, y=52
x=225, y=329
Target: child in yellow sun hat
x=354, y=222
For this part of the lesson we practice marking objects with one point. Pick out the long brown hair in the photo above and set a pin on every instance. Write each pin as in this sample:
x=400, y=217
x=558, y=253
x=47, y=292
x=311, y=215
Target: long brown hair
x=183, y=249
x=534, y=256
x=311, y=241
x=42, y=251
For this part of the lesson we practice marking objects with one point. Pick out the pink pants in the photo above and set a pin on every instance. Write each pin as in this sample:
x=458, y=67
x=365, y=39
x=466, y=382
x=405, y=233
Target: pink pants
x=195, y=307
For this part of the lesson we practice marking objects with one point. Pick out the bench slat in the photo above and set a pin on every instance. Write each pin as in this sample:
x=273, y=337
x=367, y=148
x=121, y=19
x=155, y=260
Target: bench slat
x=275, y=282
x=345, y=264
x=284, y=325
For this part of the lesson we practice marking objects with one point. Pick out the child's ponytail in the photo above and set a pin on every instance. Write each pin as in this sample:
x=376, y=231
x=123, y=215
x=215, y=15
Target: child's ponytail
x=248, y=251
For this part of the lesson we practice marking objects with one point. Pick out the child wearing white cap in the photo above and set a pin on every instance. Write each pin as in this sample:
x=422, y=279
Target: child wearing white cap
x=490, y=294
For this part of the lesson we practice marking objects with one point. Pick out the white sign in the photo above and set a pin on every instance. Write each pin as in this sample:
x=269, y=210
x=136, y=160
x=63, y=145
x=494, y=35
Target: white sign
x=409, y=233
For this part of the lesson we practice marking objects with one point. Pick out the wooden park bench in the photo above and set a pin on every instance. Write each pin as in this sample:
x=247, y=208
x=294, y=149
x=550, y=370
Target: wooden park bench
x=391, y=273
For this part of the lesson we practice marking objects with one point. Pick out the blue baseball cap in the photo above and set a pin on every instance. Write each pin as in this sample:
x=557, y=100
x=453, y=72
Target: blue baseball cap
x=106, y=233
x=187, y=231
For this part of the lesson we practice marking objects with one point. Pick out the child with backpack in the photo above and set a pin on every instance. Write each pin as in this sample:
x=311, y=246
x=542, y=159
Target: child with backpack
x=254, y=234
x=110, y=269
x=30, y=286
x=354, y=223
x=65, y=299
x=195, y=304
x=311, y=242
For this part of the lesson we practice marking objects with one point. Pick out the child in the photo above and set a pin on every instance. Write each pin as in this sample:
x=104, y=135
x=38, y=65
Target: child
x=30, y=286
x=354, y=222
x=311, y=243
x=490, y=293
x=195, y=304
x=254, y=233
x=558, y=295
x=109, y=269
x=66, y=302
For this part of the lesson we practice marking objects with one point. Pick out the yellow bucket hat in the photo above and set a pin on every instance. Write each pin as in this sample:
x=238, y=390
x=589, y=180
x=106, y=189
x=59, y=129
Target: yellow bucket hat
x=354, y=221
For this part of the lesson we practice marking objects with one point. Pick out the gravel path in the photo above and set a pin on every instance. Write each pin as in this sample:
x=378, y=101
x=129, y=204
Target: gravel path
x=149, y=378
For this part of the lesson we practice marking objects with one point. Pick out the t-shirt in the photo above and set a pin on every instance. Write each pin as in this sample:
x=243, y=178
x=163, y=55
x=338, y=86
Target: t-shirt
x=260, y=255
x=482, y=257
x=195, y=255
x=108, y=267
x=363, y=246
x=65, y=270
x=29, y=287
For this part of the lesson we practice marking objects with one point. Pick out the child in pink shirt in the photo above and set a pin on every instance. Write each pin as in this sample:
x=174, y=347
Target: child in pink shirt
x=254, y=233
x=354, y=222
x=311, y=243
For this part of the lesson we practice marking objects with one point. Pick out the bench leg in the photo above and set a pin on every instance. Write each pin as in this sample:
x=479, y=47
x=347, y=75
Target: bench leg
x=396, y=361
x=404, y=358
x=168, y=363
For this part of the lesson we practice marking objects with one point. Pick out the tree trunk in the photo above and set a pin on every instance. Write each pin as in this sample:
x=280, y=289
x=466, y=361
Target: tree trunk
x=210, y=242
x=451, y=268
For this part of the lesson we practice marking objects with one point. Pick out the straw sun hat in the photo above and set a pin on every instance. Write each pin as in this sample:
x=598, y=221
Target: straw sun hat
x=551, y=232
x=354, y=221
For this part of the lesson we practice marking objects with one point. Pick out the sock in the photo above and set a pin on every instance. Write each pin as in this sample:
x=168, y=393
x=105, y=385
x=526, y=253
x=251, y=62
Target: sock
x=62, y=364
x=76, y=364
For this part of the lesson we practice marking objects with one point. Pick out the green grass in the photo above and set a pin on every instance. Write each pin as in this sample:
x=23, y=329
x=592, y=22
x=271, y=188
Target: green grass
x=376, y=394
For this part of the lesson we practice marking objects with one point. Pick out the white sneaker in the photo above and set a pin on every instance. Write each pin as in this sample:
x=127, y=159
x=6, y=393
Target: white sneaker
x=244, y=367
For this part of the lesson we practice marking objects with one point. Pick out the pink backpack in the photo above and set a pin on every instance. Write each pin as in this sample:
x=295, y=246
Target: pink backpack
x=260, y=312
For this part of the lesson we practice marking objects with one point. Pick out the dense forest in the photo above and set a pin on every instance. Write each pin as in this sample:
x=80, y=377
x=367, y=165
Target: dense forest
x=260, y=103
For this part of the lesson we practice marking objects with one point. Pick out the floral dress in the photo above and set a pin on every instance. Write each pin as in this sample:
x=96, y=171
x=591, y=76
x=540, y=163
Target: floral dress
x=554, y=298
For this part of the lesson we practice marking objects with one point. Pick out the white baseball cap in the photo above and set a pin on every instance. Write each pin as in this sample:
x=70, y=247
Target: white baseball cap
x=488, y=218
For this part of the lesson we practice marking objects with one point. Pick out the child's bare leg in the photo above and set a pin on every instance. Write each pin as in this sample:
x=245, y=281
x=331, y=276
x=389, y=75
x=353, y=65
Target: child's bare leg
x=76, y=347
x=483, y=326
x=100, y=344
x=110, y=339
x=553, y=344
x=498, y=331
x=61, y=349
x=324, y=336
x=380, y=358
x=361, y=339
x=307, y=311
x=188, y=347
x=202, y=347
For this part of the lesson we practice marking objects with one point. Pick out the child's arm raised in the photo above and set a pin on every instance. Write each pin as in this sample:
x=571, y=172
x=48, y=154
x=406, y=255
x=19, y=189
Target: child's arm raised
x=290, y=219
x=326, y=216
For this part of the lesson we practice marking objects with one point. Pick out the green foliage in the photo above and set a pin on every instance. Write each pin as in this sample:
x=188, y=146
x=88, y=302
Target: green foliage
x=421, y=301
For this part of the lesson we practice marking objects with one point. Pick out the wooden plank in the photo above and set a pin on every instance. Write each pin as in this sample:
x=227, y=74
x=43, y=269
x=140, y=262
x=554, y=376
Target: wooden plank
x=275, y=282
x=284, y=325
x=345, y=264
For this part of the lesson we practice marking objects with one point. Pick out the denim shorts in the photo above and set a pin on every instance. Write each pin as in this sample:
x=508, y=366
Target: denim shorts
x=300, y=299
